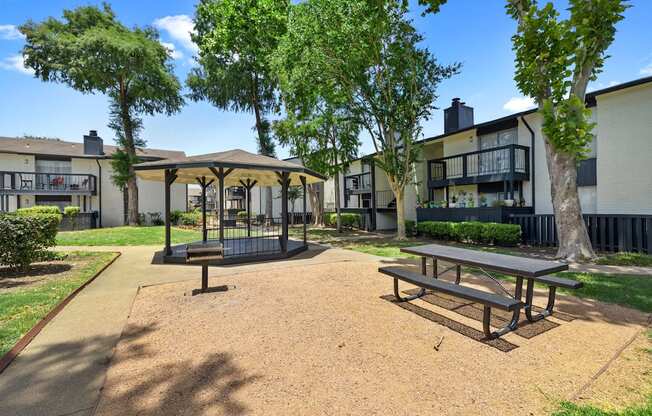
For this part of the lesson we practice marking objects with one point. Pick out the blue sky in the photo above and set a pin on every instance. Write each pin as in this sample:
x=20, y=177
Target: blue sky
x=474, y=32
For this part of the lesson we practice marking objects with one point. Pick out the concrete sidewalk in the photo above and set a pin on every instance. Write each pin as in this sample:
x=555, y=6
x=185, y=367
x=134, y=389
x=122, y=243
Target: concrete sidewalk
x=63, y=369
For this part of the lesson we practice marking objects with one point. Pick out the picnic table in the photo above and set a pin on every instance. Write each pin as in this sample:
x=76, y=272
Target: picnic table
x=522, y=268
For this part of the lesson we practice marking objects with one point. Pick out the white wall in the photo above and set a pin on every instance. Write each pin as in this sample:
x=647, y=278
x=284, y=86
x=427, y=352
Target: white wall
x=624, y=142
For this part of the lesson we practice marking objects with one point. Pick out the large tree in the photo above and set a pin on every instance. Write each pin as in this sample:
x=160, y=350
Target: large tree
x=236, y=39
x=91, y=51
x=368, y=51
x=318, y=126
x=555, y=60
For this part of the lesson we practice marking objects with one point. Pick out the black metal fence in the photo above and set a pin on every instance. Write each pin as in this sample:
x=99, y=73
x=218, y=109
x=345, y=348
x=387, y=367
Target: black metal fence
x=484, y=214
x=607, y=232
x=260, y=236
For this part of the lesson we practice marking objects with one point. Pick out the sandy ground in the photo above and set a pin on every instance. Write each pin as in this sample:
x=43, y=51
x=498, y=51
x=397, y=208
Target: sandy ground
x=319, y=339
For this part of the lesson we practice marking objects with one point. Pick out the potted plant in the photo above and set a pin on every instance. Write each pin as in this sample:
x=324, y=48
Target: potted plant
x=471, y=202
x=453, y=202
x=509, y=202
x=483, y=200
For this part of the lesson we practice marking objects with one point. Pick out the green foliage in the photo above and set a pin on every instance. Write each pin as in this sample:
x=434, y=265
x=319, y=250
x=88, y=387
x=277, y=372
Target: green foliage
x=236, y=39
x=242, y=215
x=190, y=218
x=556, y=59
x=175, y=216
x=349, y=219
x=71, y=211
x=25, y=238
x=91, y=51
x=155, y=218
x=410, y=227
x=472, y=232
x=626, y=259
x=39, y=209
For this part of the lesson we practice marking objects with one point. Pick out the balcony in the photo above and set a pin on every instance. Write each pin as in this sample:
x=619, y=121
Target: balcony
x=236, y=192
x=357, y=184
x=503, y=163
x=47, y=183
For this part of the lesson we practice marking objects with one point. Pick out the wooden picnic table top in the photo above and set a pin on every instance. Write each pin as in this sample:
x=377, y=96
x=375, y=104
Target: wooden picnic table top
x=502, y=263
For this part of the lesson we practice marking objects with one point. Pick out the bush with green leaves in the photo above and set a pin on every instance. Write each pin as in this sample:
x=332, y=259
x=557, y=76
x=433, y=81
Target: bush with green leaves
x=71, y=211
x=175, y=216
x=190, y=218
x=349, y=219
x=410, y=228
x=155, y=218
x=242, y=215
x=25, y=238
x=472, y=232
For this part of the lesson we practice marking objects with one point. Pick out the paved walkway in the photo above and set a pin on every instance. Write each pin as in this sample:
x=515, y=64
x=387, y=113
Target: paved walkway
x=63, y=369
x=600, y=268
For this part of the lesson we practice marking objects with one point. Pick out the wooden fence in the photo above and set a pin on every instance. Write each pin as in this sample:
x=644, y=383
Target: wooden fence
x=607, y=232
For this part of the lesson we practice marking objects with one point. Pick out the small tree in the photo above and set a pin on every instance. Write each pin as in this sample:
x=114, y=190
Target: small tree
x=236, y=39
x=555, y=60
x=91, y=52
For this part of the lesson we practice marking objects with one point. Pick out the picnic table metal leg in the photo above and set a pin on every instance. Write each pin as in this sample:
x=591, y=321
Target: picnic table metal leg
x=529, y=294
x=458, y=277
x=423, y=266
x=406, y=298
x=513, y=324
x=434, y=268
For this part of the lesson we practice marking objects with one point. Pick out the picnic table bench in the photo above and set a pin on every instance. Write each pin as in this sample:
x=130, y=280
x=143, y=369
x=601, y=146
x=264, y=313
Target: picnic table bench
x=532, y=270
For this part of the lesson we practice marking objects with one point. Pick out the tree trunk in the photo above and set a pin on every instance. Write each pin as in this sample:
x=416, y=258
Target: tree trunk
x=130, y=149
x=399, y=194
x=574, y=242
x=337, y=203
x=315, y=204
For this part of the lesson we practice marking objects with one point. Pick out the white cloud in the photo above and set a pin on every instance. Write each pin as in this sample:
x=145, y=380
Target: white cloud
x=179, y=28
x=172, y=50
x=16, y=63
x=646, y=70
x=10, y=32
x=517, y=104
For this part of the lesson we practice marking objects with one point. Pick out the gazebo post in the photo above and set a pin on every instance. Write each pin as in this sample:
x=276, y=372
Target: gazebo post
x=204, y=233
x=221, y=182
x=305, y=208
x=284, y=180
x=248, y=185
x=169, y=178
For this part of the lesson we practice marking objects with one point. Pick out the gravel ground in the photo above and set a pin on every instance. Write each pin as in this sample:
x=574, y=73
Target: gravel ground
x=318, y=339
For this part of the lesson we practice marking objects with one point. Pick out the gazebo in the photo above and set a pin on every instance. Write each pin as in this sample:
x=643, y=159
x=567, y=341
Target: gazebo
x=253, y=239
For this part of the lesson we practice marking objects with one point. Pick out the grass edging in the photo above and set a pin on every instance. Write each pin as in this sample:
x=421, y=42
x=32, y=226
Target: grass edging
x=24, y=341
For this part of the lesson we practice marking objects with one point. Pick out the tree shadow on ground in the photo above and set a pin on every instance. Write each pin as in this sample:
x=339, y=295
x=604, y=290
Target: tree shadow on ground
x=10, y=278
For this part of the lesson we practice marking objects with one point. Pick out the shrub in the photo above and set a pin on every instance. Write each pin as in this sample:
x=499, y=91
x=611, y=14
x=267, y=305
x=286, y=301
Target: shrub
x=155, y=218
x=349, y=219
x=41, y=211
x=410, y=227
x=502, y=234
x=25, y=238
x=175, y=216
x=190, y=218
x=71, y=211
x=472, y=232
x=242, y=215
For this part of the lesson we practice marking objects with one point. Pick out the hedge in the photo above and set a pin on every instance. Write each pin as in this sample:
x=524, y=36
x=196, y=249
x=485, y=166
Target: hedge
x=410, y=228
x=25, y=238
x=472, y=232
x=242, y=215
x=190, y=218
x=348, y=219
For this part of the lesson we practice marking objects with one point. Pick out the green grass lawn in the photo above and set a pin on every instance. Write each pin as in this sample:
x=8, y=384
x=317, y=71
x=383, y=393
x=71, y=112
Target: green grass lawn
x=126, y=236
x=626, y=259
x=570, y=409
x=22, y=308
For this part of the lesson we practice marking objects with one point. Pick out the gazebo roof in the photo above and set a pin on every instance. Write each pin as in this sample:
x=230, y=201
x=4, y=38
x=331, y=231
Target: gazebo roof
x=243, y=166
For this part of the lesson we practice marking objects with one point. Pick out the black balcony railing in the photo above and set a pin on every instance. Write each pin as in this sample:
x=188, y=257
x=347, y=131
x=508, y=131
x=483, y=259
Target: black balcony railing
x=236, y=192
x=358, y=183
x=385, y=200
x=37, y=182
x=481, y=166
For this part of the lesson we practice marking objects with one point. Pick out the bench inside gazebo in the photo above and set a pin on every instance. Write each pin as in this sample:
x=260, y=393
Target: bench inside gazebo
x=254, y=238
